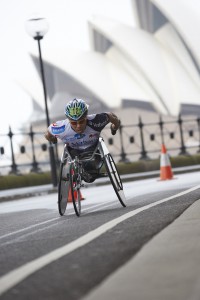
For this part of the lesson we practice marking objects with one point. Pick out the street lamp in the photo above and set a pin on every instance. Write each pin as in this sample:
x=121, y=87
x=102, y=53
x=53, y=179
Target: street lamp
x=37, y=27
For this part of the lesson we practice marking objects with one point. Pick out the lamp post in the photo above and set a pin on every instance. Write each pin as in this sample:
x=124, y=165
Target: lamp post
x=37, y=27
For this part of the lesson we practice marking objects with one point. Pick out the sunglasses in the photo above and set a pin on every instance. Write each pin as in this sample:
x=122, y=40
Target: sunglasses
x=81, y=122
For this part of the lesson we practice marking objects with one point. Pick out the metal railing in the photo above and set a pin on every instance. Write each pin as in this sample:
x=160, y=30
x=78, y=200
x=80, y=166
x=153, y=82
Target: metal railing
x=22, y=152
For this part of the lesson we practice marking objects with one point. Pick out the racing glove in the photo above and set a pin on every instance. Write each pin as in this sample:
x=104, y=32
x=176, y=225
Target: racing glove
x=50, y=138
x=113, y=131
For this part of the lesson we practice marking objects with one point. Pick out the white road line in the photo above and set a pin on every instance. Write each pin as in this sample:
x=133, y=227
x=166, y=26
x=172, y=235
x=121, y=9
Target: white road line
x=38, y=230
x=100, y=205
x=22, y=237
x=16, y=276
x=27, y=228
x=105, y=206
x=42, y=223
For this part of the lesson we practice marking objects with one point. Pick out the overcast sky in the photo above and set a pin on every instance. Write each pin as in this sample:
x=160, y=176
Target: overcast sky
x=68, y=28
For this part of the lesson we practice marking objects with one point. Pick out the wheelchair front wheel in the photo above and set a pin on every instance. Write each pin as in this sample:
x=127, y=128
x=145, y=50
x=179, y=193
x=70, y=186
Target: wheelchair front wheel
x=63, y=188
x=75, y=186
x=114, y=178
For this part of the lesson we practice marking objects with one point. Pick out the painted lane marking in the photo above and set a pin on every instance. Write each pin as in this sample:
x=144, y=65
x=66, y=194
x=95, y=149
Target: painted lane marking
x=22, y=237
x=90, y=209
x=105, y=206
x=16, y=276
x=27, y=228
x=100, y=205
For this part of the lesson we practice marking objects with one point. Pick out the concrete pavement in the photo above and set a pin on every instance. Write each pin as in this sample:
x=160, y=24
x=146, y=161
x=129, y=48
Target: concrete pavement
x=167, y=267
x=19, y=193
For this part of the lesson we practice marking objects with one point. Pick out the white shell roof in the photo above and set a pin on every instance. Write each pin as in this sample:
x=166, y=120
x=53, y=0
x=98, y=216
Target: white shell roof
x=104, y=76
x=172, y=42
x=173, y=79
x=142, y=66
x=185, y=16
x=144, y=52
x=90, y=69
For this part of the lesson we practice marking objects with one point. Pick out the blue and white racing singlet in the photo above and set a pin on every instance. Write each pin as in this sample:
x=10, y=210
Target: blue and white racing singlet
x=63, y=131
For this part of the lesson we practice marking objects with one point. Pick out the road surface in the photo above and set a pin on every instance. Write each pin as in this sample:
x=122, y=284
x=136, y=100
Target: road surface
x=148, y=250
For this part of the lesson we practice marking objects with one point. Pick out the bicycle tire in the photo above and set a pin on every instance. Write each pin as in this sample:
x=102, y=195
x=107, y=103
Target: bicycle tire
x=63, y=189
x=75, y=185
x=115, y=179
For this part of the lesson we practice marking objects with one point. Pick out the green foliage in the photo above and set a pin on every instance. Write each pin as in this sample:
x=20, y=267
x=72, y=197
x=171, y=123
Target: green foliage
x=181, y=160
x=17, y=181
x=139, y=166
x=33, y=179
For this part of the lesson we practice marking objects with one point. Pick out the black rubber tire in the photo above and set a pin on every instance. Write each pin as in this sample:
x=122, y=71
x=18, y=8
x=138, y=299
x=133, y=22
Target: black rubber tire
x=114, y=176
x=75, y=186
x=63, y=189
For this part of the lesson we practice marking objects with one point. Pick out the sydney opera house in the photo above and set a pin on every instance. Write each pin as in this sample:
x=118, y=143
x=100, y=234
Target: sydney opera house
x=153, y=67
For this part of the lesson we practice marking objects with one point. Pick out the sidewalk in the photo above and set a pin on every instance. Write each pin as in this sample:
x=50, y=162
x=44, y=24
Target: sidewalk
x=167, y=267
x=14, y=194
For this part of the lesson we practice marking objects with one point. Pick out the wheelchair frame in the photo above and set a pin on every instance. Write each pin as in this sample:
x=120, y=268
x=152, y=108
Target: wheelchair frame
x=71, y=173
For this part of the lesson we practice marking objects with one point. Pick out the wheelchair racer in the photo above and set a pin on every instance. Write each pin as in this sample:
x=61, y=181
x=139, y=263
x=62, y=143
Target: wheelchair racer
x=80, y=131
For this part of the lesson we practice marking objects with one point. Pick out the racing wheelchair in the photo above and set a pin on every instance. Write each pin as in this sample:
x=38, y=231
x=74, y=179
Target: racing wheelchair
x=72, y=173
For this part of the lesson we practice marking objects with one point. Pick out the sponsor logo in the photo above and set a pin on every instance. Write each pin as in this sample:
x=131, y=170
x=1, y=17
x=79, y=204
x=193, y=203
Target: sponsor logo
x=100, y=124
x=79, y=136
x=69, y=139
x=82, y=143
x=58, y=130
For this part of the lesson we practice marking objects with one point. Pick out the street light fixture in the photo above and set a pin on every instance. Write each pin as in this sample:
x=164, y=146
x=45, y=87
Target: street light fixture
x=37, y=27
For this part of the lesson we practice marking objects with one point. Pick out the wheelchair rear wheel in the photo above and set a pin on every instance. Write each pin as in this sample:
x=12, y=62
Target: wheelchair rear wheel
x=114, y=178
x=75, y=186
x=63, y=188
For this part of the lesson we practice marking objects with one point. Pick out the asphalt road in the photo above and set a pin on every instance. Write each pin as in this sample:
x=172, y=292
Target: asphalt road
x=44, y=256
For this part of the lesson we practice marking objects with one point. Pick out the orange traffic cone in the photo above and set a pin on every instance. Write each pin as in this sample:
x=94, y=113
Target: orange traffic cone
x=75, y=194
x=165, y=165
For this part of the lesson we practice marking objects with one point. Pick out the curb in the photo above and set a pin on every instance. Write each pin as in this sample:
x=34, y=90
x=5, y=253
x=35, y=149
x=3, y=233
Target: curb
x=20, y=193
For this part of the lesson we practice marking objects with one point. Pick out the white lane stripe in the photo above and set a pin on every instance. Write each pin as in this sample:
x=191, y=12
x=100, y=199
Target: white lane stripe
x=105, y=206
x=38, y=230
x=22, y=237
x=42, y=223
x=27, y=228
x=16, y=276
x=101, y=205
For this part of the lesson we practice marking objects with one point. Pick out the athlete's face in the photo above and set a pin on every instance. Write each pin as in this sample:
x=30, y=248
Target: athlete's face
x=79, y=126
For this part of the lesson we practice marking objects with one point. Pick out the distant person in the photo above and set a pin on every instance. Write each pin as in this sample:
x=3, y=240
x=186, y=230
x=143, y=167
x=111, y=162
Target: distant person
x=80, y=131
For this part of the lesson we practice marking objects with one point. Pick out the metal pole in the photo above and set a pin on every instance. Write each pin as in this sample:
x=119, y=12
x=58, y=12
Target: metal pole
x=143, y=150
x=160, y=123
x=198, y=123
x=123, y=154
x=14, y=169
x=51, y=150
x=183, y=148
x=35, y=167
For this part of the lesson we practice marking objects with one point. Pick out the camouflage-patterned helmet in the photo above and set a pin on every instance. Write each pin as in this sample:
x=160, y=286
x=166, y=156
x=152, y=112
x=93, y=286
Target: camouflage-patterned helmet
x=76, y=109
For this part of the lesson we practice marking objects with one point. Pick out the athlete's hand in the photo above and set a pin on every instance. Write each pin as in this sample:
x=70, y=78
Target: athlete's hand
x=50, y=138
x=53, y=140
x=113, y=130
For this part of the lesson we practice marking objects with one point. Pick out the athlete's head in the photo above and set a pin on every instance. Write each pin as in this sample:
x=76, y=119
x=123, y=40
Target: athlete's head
x=76, y=109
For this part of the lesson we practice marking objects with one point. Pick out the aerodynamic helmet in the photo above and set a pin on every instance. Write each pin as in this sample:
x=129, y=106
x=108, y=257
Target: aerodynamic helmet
x=76, y=109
